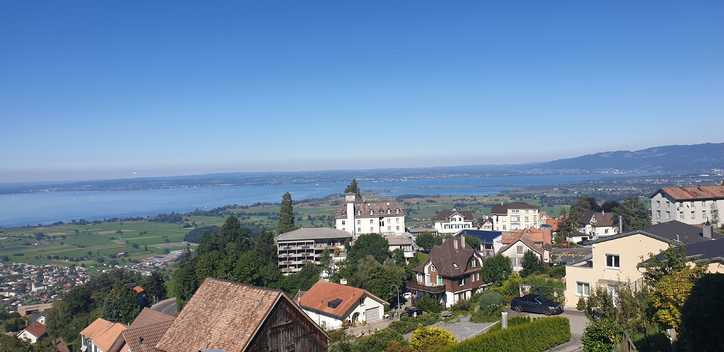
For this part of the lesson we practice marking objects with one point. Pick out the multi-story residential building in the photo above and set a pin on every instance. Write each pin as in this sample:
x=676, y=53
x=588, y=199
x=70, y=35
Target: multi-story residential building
x=615, y=259
x=357, y=216
x=515, y=216
x=598, y=224
x=692, y=205
x=296, y=248
x=450, y=274
x=453, y=221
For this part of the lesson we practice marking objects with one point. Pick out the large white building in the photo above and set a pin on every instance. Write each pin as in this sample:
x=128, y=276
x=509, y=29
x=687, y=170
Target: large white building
x=454, y=221
x=691, y=205
x=358, y=217
x=515, y=216
x=307, y=244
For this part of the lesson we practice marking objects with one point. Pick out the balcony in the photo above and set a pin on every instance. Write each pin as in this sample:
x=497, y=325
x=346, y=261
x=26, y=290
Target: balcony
x=415, y=286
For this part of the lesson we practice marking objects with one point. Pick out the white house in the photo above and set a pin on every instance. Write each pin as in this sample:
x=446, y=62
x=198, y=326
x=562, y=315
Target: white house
x=32, y=333
x=357, y=216
x=453, y=221
x=102, y=336
x=516, y=251
x=598, y=224
x=333, y=306
x=691, y=205
x=515, y=216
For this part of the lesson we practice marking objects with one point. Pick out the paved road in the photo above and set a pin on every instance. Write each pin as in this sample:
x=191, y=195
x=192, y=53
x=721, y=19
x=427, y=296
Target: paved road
x=463, y=328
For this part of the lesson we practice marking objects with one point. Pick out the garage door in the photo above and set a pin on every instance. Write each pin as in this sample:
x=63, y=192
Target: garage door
x=373, y=314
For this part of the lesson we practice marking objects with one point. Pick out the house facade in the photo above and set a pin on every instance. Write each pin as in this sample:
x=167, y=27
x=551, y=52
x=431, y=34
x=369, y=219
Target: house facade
x=296, y=248
x=333, y=306
x=404, y=242
x=491, y=242
x=598, y=224
x=515, y=216
x=451, y=273
x=358, y=217
x=454, y=221
x=614, y=261
x=691, y=205
x=32, y=333
x=517, y=250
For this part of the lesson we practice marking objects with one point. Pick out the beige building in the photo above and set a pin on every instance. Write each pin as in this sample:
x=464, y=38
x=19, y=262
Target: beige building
x=614, y=261
x=692, y=205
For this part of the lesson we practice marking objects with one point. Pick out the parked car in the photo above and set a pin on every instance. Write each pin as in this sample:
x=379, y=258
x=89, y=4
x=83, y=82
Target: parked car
x=535, y=304
x=413, y=311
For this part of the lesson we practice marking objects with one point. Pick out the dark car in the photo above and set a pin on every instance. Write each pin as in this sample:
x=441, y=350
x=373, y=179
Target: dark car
x=535, y=304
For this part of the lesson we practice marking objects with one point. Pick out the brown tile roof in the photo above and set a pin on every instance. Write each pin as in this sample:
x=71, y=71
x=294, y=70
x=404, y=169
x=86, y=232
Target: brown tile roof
x=532, y=245
x=694, y=192
x=137, y=289
x=150, y=316
x=446, y=214
x=372, y=209
x=604, y=219
x=450, y=258
x=36, y=329
x=318, y=298
x=144, y=338
x=220, y=315
x=503, y=208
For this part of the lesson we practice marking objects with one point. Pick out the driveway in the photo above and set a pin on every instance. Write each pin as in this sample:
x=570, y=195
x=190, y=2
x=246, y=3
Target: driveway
x=578, y=323
x=463, y=328
x=369, y=328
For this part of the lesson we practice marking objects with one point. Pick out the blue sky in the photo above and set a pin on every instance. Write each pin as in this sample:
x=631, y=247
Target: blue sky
x=94, y=89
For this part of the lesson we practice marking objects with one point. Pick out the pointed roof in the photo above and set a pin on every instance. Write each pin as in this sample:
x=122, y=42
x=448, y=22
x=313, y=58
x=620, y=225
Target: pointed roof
x=220, y=315
x=450, y=258
x=693, y=192
x=149, y=316
x=104, y=333
x=36, y=329
x=322, y=297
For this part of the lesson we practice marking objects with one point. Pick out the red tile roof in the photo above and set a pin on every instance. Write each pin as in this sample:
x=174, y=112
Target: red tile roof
x=694, y=192
x=150, y=316
x=323, y=292
x=36, y=329
x=542, y=236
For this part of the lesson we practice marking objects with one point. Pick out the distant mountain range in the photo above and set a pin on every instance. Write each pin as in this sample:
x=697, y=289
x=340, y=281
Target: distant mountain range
x=670, y=159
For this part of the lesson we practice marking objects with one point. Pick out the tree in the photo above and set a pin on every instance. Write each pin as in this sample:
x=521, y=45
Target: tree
x=670, y=294
x=601, y=335
x=184, y=282
x=701, y=318
x=496, y=268
x=634, y=214
x=568, y=227
x=399, y=257
x=431, y=338
x=120, y=305
x=369, y=244
x=472, y=242
x=665, y=263
x=265, y=247
x=286, y=214
x=427, y=240
x=155, y=286
x=531, y=264
x=353, y=188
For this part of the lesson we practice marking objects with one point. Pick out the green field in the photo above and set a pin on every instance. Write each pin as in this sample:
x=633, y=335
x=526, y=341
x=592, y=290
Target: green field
x=93, y=243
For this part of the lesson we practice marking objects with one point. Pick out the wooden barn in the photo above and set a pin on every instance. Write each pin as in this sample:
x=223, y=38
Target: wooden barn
x=232, y=317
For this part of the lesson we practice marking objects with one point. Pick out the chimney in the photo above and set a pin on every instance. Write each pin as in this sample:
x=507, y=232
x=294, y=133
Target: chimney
x=706, y=230
x=620, y=224
x=462, y=241
x=455, y=243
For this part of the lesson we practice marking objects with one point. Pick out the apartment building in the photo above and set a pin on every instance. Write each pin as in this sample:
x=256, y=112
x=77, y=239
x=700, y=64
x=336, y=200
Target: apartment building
x=515, y=216
x=358, y=217
x=296, y=248
x=691, y=205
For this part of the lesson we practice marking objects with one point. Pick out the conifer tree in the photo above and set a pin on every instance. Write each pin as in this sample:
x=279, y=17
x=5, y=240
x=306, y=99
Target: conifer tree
x=286, y=214
x=353, y=188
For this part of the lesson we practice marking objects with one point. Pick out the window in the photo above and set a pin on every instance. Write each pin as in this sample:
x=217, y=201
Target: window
x=439, y=280
x=359, y=222
x=398, y=228
x=519, y=249
x=397, y=220
x=371, y=221
x=583, y=289
x=612, y=261
x=359, y=229
x=462, y=282
x=342, y=222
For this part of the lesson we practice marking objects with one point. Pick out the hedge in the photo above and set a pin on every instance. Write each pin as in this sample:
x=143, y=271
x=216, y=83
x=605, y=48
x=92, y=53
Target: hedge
x=537, y=336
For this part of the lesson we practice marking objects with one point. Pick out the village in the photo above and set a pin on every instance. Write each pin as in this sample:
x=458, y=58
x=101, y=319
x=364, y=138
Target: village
x=458, y=259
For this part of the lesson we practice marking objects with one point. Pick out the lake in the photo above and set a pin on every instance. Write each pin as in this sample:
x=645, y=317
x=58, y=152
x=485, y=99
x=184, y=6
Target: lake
x=19, y=209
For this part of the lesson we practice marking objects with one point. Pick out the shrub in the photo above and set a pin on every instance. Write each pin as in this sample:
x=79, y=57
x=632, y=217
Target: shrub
x=431, y=339
x=407, y=324
x=491, y=303
x=536, y=336
x=429, y=304
x=601, y=335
